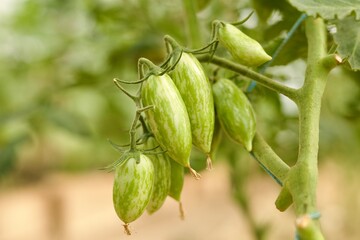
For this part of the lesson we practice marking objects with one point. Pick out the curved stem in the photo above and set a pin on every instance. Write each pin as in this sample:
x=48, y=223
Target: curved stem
x=269, y=160
x=171, y=43
x=143, y=124
x=133, y=97
x=261, y=79
x=243, y=20
x=149, y=64
x=132, y=132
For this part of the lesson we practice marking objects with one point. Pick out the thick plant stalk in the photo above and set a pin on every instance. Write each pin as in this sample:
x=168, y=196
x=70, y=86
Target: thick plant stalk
x=300, y=181
x=303, y=176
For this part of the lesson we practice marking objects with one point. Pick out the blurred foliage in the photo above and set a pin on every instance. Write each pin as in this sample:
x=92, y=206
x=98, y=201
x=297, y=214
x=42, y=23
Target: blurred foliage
x=346, y=37
x=57, y=62
x=58, y=58
x=328, y=9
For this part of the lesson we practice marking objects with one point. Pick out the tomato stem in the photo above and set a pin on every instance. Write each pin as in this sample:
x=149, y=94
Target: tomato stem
x=302, y=178
x=195, y=174
x=133, y=97
x=181, y=211
x=209, y=165
x=243, y=20
x=261, y=79
x=269, y=159
x=127, y=229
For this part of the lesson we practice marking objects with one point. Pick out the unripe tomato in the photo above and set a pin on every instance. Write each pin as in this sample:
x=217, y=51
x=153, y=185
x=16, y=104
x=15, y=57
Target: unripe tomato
x=133, y=185
x=244, y=49
x=162, y=177
x=168, y=120
x=195, y=89
x=217, y=137
x=235, y=112
x=177, y=180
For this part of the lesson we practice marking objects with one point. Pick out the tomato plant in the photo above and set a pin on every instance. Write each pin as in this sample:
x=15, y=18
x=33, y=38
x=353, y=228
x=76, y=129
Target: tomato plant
x=180, y=105
x=57, y=105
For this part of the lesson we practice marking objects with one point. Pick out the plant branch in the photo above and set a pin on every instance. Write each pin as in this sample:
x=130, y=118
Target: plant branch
x=269, y=160
x=302, y=178
x=261, y=79
x=275, y=167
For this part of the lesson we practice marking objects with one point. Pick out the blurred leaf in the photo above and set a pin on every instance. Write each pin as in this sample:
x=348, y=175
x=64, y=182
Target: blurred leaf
x=201, y=4
x=347, y=37
x=8, y=155
x=265, y=9
x=7, y=159
x=328, y=9
x=294, y=49
x=274, y=33
x=343, y=93
x=20, y=113
x=69, y=121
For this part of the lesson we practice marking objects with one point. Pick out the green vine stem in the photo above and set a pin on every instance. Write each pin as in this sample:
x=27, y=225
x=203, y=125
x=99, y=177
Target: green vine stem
x=300, y=181
x=303, y=176
x=132, y=131
x=303, y=184
x=267, y=158
x=261, y=79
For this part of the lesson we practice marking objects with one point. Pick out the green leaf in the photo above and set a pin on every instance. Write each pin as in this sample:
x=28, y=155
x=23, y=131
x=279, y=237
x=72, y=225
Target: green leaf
x=328, y=9
x=347, y=37
x=265, y=8
x=8, y=154
x=272, y=32
x=69, y=121
x=295, y=48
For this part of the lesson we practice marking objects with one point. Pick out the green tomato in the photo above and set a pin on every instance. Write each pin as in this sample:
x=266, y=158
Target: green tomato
x=162, y=177
x=235, y=112
x=217, y=137
x=177, y=183
x=168, y=120
x=177, y=180
x=133, y=185
x=244, y=49
x=195, y=89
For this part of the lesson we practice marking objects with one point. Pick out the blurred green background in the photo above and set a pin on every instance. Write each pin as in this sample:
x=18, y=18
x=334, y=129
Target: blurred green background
x=57, y=61
x=58, y=58
x=59, y=106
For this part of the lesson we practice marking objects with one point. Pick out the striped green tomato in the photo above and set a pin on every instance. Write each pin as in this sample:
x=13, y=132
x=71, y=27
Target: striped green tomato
x=177, y=180
x=216, y=138
x=177, y=183
x=235, y=112
x=195, y=89
x=168, y=120
x=162, y=176
x=244, y=49
x=133, y=185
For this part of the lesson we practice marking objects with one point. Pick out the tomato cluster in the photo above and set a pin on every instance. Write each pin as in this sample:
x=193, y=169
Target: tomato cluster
x=181, y=104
